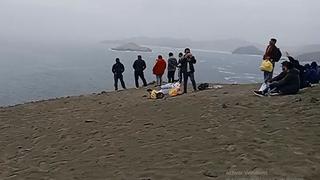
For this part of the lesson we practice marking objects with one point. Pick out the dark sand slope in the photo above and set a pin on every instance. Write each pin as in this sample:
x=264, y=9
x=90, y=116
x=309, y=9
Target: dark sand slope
x=203, y=135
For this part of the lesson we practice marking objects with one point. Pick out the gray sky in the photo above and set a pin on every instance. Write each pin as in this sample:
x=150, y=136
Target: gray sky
x=291, y=21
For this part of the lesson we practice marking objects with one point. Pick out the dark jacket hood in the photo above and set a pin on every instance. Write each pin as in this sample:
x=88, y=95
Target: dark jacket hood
x=294, y=71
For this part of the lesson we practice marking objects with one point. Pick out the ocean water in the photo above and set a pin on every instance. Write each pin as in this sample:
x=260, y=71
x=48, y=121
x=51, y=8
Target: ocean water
x=31, y=72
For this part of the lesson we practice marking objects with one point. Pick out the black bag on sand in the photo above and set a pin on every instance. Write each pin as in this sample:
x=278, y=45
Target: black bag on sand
x=203, y=86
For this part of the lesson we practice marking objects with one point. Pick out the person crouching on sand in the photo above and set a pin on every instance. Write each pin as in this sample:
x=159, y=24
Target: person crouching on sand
x=159, y=69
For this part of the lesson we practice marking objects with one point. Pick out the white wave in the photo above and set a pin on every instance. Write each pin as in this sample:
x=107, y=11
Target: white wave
x=227, y=72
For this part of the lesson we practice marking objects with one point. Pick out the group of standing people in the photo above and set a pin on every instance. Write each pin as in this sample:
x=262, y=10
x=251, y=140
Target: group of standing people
x=292, y=78
x=184, y=65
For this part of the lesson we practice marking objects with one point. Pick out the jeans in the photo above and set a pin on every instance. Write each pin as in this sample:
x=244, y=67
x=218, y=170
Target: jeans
x=116, y=78
x=273, y=87
x=180, y=76
x=268, y=75
x=171, y=76
x=185, y=81
x=159, y=80
x=140, y=74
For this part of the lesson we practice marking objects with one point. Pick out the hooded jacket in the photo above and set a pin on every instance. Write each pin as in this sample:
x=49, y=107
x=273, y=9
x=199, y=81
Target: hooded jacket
x=187, y=63
x=159, y=67
x=139, y=65
x=118, y=68
x=172, y=64
x=289, y=82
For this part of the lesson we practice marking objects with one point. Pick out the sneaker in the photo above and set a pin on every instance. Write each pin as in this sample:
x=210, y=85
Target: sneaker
x=274, y=94
x=259, y=93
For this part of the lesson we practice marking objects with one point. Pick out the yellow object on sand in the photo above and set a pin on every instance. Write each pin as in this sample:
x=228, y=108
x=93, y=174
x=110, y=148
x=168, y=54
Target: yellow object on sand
x=266, y=65
x=153, y=94
x=174, y=92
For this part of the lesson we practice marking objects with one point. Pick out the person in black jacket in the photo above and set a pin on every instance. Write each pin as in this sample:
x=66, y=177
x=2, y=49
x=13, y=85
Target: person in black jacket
x=187, y=69
x=118, y=69
x=296, y=64
x=139, y=66
x=287, y=82
x=179, y=67
x=172, y=66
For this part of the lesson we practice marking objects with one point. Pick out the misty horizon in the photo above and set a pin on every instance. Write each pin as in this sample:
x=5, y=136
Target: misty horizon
x=292, y=22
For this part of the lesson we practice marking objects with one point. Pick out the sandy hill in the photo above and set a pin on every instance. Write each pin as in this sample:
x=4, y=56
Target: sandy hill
x=214, y=134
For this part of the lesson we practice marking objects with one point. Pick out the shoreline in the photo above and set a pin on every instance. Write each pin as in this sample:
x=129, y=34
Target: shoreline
x=97, y=93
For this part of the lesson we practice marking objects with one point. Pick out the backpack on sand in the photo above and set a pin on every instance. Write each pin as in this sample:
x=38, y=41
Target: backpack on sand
x=203, y=86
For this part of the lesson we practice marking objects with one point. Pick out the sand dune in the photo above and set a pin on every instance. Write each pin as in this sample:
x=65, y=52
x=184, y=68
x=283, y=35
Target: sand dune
x=214, y=134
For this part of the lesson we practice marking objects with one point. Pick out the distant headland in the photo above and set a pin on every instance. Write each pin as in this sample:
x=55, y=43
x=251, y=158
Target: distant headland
x=132, y=47
x=249, y=50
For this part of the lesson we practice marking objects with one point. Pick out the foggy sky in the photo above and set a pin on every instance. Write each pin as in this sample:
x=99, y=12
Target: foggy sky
x=293, y=22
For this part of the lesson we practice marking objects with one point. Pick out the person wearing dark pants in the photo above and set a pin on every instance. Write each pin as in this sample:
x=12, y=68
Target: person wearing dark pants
x=187, y=68
x=179, y=68
x=139, y=66
x=272, y=53
x=118, y=69
x=172, y=66
x=185, y=80
x=140, y=74
x=267, y=76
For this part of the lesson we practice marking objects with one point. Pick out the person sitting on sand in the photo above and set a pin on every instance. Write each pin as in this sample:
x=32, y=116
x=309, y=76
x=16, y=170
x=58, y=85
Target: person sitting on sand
x=139, y=66
x=187, y=68
x=315, y=68
x=118, y=69
x=287, y=82
x=172, y=66
x=310, y=74
x=159, y=69
x=296, y=64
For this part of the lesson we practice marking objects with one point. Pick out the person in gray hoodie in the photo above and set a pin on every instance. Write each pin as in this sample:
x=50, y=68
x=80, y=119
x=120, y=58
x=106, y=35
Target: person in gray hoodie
x=172, y=66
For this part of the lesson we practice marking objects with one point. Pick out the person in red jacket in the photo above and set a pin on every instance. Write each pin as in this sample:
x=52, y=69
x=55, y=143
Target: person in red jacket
x=159, y=69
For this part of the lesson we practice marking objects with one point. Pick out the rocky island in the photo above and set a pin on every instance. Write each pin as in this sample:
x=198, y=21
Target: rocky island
x=132, y=47
x=249, y=50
